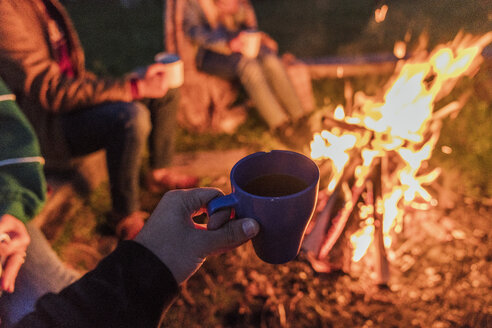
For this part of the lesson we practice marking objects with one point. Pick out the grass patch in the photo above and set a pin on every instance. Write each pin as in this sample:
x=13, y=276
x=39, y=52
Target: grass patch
x=470, y=137
x=253, y=134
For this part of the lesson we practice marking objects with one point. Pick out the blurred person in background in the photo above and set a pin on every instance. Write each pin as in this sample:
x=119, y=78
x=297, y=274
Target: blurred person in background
x=220, y=29
x=75, y=113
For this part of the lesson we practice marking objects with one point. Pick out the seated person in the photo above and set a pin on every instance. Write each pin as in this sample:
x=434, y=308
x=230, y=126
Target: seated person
x=140, y=279
x=219, y=29
x=75, y=113
x=30, y=266
x=133, y=285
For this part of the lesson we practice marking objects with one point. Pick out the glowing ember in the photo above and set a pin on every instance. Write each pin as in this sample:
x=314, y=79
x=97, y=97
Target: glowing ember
x=446, y=150
x=400, y=49
x=402, y=129
x=380, y=14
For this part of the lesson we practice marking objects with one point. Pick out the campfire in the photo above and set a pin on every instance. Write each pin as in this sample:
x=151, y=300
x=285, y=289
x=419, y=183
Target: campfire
x=374, y=156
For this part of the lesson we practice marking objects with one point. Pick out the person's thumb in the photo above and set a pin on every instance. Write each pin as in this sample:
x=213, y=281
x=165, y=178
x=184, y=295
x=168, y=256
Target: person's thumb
x=156, y=68
x=230, y=235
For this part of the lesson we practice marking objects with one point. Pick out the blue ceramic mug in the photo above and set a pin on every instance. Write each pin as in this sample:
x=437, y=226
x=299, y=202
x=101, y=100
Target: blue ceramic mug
x=279, y=189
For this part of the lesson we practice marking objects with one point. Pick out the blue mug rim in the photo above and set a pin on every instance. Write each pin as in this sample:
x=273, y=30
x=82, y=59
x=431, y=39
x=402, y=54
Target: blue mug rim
x=168, y=57
x=261, y=153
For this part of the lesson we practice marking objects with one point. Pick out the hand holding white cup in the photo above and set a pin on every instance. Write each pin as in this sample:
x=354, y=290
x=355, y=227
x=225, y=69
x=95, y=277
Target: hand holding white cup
x=174, y=68
x=251, y=42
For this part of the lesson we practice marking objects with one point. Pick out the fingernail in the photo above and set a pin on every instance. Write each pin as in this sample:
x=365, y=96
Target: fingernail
x=249, y=228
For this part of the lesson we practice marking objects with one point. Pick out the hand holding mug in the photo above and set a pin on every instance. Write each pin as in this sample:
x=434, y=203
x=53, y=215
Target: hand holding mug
x=173, y=67
x=236, y=44
x=154, y=84
x=250, y=42
x=171, y=234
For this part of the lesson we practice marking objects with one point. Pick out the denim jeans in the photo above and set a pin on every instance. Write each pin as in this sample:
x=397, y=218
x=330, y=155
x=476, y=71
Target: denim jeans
x=265, y=80
x=122, y=129
x=162, y=139
x=43, y=272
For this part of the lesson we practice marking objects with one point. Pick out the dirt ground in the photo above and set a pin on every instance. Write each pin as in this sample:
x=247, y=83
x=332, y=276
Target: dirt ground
x=440, y=269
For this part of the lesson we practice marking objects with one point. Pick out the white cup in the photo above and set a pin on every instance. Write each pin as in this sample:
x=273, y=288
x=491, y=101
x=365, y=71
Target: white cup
x=251, y=40
x=174, y=68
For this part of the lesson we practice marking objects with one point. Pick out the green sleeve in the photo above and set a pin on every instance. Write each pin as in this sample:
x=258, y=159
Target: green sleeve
x=22, y=185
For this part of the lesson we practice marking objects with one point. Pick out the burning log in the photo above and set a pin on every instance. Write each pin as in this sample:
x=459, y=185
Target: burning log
x=312, y=242
x=381, y=264
x=326, y=223
x=330, y=123
x=340, y=221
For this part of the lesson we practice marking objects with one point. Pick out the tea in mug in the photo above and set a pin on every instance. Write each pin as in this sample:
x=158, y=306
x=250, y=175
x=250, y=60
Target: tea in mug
x=275, y=185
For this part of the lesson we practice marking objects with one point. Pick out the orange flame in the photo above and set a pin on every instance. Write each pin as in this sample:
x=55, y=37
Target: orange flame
x=400, y=126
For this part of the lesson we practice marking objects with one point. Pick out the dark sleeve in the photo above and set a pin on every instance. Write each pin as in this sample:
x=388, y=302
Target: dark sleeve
x=129, y=288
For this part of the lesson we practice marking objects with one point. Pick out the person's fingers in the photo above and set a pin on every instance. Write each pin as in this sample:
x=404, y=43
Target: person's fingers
x=229, y=236
x=13, y=254
x=18, y=242
x=218, y=219
x=11, y=269
x=190, y=201
x=14, y=241
x=5, y=248
x=156, y=68
x=14, y=235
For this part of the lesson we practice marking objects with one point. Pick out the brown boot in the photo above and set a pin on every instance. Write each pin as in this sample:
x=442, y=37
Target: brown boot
x=161, y=180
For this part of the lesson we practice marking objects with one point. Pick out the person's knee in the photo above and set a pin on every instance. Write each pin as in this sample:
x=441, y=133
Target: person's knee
x=134, y=118
x=249, y=69
x=173, y=94
x=271, y=62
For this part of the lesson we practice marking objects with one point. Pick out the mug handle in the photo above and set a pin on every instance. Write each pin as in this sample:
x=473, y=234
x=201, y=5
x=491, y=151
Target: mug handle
x=221, y=202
